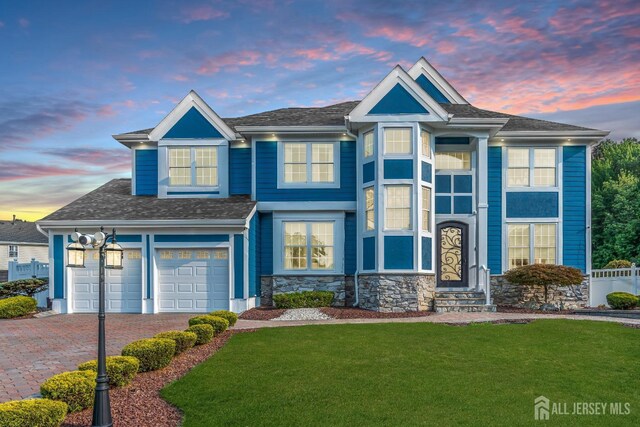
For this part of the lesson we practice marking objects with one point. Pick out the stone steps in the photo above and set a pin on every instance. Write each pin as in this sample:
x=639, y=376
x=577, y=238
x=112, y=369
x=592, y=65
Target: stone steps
x=461, y=301
x=470, y=308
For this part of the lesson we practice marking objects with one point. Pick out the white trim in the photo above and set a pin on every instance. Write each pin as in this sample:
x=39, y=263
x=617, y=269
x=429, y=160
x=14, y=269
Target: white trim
x=531, y=167
x=531, y=222
x=307, y=206
x=254, y=168
x=423, y=67
x=281, y=184
x=588, y=231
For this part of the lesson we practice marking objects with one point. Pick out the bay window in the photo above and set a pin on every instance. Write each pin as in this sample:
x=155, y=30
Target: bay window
x=426, y=209
x=426, y=144
x=368, y=144
x=398, y=207
x=369, y=209
x=397, y=141
x=531, y=243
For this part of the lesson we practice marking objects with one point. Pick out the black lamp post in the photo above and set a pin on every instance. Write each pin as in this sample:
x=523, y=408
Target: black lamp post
x=111, y=255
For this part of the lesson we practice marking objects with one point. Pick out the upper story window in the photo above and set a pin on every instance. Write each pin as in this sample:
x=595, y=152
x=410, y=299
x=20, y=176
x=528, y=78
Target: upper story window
x=531, y=167
x=454, y=160
x=398, y=207
x=426, y=143
x=397, y=141
x=309, y=162
x=368, y=144
x=369, y=209
x=193, y=166
x=13, y=251
x=308, y=245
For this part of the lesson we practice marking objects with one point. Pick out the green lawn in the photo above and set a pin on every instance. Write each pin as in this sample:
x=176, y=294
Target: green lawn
x=413, y=374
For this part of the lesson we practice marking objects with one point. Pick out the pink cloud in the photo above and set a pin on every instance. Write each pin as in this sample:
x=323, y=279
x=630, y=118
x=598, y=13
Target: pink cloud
x=13, y=171
x=202, y=13
x=229, y=60
x=23, y=22
x=180, y=78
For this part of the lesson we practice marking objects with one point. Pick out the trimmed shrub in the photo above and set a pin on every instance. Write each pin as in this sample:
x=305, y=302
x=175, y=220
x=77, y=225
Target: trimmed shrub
x=203, y=331
x=75, y=388
x=231, y=317
x=32, y=412
x=307, y=299
x=120, y=369
x=16, y=307
x=622, y=300
x=28, y=287
x=546, y=275
x=219, y=324
x=152, y=353
x=184, y=340
x=618, y=263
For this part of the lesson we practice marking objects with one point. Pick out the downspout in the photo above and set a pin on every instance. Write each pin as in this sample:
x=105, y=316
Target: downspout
x=356, y=293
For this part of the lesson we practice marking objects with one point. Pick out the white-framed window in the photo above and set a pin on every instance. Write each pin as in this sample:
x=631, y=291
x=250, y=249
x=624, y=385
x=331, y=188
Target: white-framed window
x=531, y=167
x=368, y=144
x=531, y=243
x=453, y=160
x=309, y=245
x=426, y=209
x=397, y=214
x=193, y=166
x=397, y=141
x=13, y=251
x=309, y=163
x=369, y=209
x=425, y=140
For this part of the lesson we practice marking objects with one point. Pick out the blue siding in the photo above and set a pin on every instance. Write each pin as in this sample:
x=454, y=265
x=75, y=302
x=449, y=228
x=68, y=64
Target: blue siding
x=431, y=89
x=443, y=204
x=462, y=205
x=267, y=177
x=238, y=265
x=532, y=204
x=193, y=125
x=368, y=172
x=574, y=205
x=148, y=261
x=398, y=169
x=350, y=242
x=426, y=253
x=398, y=252
x=426, y=172
x=239, y=171
x=369, y=253
x=254, y=270
x=462, y=184
x=146, y=162
x=494, y=214
x=443, y=184
x=183, y=238
x=453, y=140
x=190, y=193
x=121, y=238
x=398, y=101
x=266, y=243
x=58, y=265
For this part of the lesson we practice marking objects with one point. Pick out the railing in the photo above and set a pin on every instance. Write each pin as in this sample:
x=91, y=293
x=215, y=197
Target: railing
x=29, y=270
x=609, y=280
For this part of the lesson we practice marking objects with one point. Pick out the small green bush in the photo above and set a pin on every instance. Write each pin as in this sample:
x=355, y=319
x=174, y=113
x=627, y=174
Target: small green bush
x=152, y=353
x=184, y=340
x=618, y=263
x=16, y=307
x=622, y=300
x=75, y=388
x=27, y=287
x=203, y=331
x=308, y=299
x=32, y=412
x=120, y=369
x=219, y=324
x=231, y=317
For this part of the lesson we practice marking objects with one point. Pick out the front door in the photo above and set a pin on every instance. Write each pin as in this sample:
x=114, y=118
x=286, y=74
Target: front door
x=452, y=255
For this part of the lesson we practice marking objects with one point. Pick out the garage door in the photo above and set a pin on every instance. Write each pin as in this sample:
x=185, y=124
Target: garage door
x=194, y=280
x=124, y=287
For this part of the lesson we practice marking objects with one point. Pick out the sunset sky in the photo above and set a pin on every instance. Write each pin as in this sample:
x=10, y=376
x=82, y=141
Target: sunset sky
x=76, y=72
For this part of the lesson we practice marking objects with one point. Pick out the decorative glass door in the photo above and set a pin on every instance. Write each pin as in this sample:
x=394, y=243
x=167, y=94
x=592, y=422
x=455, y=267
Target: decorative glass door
x=452, y=255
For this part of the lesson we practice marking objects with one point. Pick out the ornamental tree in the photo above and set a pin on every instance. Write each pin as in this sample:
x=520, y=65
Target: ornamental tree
x=548, y=276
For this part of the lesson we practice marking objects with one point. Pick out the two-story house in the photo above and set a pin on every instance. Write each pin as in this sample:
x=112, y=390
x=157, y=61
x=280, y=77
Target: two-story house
x=383, y=201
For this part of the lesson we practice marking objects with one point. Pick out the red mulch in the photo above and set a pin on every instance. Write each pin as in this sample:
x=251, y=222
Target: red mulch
x=509, y=309
x=358, y=313
x=139, y=404
x=262, y=313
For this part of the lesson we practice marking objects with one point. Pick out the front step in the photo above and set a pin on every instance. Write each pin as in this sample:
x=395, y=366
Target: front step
x=461, y=301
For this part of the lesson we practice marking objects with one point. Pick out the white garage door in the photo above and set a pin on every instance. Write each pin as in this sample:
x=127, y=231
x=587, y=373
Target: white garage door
x=124, y=287
x=193, y=279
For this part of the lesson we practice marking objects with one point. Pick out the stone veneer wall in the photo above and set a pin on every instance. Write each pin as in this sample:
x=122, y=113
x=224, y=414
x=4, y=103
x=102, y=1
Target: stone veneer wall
x=570, y=297
x=396, y=292
x=341, y=286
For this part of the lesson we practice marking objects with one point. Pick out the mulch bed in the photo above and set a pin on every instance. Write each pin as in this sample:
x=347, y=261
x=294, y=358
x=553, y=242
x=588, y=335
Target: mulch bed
x=509, y=309
x=262, y=313
x=139, y=404
x=358, y=313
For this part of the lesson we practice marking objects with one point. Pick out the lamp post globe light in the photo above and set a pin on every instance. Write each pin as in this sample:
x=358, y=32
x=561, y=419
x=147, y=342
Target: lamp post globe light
x=111, y=255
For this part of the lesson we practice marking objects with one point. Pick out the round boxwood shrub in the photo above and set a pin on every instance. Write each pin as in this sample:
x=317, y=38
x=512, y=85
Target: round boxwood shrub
x=618, y=263
x=120, y=369
x=219, y=324
x=75, y=388
x=231, y=317
x=622, y=300
x=184, y=340
x=203, y=331
x=152, y=353
x=16, y=307
x=32, y=412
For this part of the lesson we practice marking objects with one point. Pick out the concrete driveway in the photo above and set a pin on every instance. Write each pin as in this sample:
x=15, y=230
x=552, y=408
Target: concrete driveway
x=32, y=350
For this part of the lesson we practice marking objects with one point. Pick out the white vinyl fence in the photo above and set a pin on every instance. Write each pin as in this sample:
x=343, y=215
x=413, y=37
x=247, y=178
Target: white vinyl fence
x=604, y=282
x=29, y=270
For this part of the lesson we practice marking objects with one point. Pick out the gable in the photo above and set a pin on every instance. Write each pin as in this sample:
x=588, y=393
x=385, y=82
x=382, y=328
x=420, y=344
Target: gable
x=398, y=101
x=431, y=89
x=193, y=125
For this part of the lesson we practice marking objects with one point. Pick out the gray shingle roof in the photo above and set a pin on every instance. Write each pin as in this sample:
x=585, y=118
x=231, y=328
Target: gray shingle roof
x=114, y=202
x=21, y=232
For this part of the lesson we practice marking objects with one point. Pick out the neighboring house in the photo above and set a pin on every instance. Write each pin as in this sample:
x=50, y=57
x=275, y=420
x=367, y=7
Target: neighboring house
x=21, y=241
x=409, y=191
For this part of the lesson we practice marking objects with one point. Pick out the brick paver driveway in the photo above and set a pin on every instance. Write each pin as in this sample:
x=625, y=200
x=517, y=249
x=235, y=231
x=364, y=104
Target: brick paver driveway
x=32, y=350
